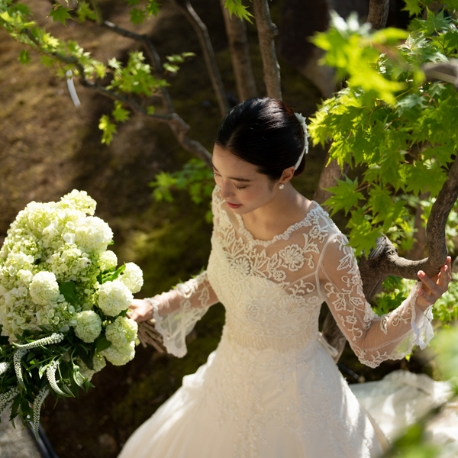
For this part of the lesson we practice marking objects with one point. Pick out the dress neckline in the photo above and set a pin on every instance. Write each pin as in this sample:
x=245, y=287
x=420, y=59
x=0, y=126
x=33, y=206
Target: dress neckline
x=285, y=235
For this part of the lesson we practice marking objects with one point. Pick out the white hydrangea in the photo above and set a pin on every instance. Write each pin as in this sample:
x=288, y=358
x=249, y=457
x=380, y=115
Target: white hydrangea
x=69, y=264
x=88, y=326
x=44, y=288
x=120, y=356
x=25, y=277
x=121, y=332
x=53, y=243
x=132, y=277
x=79, y=200
x=93, y=235
x=114, y=297
x=108, y=260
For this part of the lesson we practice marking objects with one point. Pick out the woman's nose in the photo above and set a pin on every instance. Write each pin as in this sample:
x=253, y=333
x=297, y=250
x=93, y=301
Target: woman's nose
x=226, y=189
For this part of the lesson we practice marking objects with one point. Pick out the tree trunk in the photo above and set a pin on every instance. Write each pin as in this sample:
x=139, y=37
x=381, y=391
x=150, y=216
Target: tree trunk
x=240, y=55
x=378, y=13
x=330, y=174
x=418, y=249
x=267, y=31
x=207, y=49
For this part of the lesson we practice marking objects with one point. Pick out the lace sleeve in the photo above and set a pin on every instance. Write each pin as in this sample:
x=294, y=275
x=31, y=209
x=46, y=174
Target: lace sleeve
x=177, y=311
x=373, y=338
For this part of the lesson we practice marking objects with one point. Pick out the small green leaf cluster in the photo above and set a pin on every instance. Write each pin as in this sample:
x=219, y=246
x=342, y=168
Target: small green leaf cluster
x=135, y=77
x=108, y=125
x=446, y=308
x=60, y=13
x=395, y=290
x=15, y=18
x=239, y=9
x=395, y=127
x=142, y=11
x=195, y=177
x=174, y=61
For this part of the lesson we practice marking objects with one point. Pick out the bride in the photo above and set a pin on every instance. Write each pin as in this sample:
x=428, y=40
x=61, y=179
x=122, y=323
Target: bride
x=271, y=389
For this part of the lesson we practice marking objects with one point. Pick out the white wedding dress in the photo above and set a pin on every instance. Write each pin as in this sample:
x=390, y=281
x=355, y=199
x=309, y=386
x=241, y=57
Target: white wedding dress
x=271, y=388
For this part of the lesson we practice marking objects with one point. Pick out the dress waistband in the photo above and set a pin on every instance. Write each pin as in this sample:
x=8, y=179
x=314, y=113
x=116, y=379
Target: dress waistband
x=278, y=343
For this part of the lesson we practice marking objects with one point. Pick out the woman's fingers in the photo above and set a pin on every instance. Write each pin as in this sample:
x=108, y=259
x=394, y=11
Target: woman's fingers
x=433, y=288
x=140, y=310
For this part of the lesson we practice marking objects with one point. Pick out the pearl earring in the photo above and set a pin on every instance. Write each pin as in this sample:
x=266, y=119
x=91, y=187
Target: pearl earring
x=281, y=186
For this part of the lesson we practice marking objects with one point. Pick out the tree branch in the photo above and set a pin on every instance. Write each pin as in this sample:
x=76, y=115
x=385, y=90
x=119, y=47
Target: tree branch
x=240, y=55
x=385, y=261
x=207, y=49
x=267, y=31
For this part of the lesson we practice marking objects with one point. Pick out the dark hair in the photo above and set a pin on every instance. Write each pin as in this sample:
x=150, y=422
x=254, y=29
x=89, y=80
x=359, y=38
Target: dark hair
x=264, y=132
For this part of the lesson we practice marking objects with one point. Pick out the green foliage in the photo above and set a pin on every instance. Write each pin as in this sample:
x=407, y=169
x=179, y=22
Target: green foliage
x=236, y=7
x=134, y=82
x=395, y=290
x=139, y=13
x=85, y=12
x=135, y=77
x=415, y=7
x=446, y=308
x=175, y=60
x=446, y=346
x=195, y=177
x=24, y=57
x=388, y=121
x=60, y=13
x=34, y=366
x=119, y=113
x=108, y=128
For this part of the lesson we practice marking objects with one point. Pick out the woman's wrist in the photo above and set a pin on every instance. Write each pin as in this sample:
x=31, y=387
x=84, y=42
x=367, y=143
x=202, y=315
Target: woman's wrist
x=154, y=303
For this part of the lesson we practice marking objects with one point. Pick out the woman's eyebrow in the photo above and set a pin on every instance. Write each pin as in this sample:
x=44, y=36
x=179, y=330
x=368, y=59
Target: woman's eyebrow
x=245, y=180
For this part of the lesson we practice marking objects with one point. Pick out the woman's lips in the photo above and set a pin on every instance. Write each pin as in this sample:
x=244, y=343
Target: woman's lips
x=233, y=205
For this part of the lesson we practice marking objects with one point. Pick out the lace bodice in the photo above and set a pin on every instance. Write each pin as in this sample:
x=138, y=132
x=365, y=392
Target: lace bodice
x=273, y=290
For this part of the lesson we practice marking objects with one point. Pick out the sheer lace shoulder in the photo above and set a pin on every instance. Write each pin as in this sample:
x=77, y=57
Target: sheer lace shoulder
x=373, y=338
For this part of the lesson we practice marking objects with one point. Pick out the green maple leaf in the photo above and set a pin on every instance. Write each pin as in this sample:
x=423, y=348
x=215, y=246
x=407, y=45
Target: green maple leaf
x=236, y=7
x=85, y=12
x=434, y=23
x=60, y=13
x=345, y=195
x=108, y=128
x=410, y=102
x=152, y=7
x=137, y=16
x=24, y=57
x=413, y=7
x=119, y=113
x=363, y=235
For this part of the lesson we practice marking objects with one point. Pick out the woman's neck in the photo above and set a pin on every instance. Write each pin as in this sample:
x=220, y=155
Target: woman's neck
x=285, y=209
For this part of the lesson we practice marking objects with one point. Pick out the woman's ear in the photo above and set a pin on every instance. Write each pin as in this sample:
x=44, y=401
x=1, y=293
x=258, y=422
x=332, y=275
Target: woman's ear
x=286, y=175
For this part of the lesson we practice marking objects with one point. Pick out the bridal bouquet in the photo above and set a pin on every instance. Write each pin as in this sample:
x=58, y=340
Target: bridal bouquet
x=63, y=304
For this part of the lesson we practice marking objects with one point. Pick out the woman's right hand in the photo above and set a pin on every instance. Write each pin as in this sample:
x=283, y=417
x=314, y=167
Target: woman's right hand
x=140, y=310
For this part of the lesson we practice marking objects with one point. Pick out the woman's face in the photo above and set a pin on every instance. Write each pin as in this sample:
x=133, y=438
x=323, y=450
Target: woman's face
x=242, y=187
